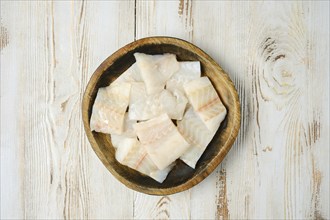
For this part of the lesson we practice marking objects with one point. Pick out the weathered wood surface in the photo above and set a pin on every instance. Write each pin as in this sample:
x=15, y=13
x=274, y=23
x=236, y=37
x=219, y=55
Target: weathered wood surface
x=277, y=54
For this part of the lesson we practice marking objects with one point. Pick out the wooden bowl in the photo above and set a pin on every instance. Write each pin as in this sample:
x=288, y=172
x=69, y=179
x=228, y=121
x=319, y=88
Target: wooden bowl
x=182, y=177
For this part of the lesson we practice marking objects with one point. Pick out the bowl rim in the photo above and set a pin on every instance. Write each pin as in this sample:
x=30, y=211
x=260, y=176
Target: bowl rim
x=216, y=160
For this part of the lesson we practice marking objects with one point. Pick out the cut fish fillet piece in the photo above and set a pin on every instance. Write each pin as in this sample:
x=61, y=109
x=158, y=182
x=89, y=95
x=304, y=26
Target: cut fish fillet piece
x=189, y=70
x=163, y=142
x=156, y=70
x=197, y=135
x=120, y=142
x=109, y=108
x=127, y=137
x=132, y=74
x=173, y=103
x=128, y=127
x=143, y=106
x=131, y=153
x=206, y=102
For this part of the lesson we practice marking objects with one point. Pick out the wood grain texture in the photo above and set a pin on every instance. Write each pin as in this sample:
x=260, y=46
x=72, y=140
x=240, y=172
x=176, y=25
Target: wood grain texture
x=160, y=18
x=50, y=171
x=271, y=76
x=277, y=54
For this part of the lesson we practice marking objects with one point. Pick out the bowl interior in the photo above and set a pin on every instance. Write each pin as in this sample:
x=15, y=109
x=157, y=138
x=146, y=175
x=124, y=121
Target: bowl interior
x=181, y=174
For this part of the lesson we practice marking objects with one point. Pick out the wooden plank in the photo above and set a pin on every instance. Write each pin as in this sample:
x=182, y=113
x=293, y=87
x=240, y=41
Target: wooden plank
x=276, y=53
x=51, y=54
x=209, y=21
x=271, y=51
x=175, y=206
x=10, y=153
x=162, y=18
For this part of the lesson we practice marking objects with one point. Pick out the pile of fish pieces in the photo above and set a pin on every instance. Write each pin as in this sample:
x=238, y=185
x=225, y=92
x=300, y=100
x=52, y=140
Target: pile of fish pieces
x=157, y=90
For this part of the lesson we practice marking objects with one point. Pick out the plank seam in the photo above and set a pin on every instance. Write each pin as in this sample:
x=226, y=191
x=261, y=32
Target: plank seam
x=135, y=1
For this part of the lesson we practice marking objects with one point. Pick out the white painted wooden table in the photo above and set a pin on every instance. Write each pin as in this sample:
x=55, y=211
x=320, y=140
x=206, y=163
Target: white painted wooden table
x=277, y=54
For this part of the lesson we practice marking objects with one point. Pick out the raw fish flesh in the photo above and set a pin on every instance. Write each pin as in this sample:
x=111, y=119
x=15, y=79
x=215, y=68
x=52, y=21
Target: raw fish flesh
x=132, y=154
x=128, y=127
x=156, y=70
x=109, y=108
x=162, y=140
x=143, y=106
x=173, y=103
x=132, y=74
x=197, y=135
x=127, y=137
x=206, y=102
x=156, y=90
x=189, y=70
x=120, y=141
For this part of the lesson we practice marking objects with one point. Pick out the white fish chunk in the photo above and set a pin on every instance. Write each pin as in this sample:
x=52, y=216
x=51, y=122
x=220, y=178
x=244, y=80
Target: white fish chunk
x=206, y=102
x=128, y=127
x=155, y=70
x=162, y=140
x=143, y=106
x=197, y=135
x=173, y=103
x=160, y=175
x=132, y=154
x=109, y=108
x=189, y=70
x=122, y=143
x=128, y=135
x=132, y=74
